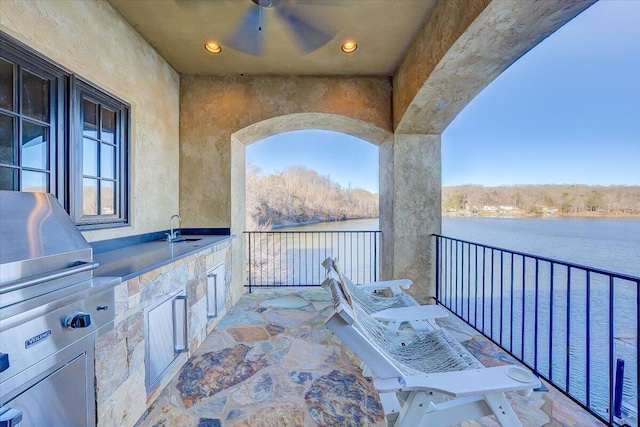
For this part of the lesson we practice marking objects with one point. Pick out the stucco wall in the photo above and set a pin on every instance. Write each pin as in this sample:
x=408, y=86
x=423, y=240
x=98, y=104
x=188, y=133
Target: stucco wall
x=213, y=108
x=93, y=41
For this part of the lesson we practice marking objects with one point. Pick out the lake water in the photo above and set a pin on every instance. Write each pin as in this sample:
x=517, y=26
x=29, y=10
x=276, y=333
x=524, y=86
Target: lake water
x=608, y=244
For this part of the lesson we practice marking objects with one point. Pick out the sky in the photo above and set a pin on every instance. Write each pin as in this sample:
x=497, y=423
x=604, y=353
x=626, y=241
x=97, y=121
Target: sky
x=348, y=160
x=567, y=112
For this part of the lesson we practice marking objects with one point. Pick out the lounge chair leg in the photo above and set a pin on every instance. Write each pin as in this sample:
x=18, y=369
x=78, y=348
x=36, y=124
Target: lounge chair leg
x=502, y=409
x=413, y=409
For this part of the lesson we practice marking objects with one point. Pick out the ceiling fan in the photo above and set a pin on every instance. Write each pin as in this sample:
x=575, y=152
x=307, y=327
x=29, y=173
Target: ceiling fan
x=250, y=31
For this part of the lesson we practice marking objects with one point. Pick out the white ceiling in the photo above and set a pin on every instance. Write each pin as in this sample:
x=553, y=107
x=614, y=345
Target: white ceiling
x=178, y=29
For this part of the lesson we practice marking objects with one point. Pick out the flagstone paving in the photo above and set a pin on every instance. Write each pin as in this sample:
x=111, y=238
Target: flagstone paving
x=272, y=362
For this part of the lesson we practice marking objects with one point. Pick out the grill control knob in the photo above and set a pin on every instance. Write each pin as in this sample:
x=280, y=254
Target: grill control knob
x=78, y=320
x=4, y=362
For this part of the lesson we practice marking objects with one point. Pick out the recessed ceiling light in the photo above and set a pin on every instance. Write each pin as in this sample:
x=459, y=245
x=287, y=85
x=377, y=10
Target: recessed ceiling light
x=349, y=46
x=213, y=47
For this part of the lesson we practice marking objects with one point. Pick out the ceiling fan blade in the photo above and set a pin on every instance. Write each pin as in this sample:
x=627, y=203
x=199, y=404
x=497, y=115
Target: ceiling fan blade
x=308, y=36
x=247, y=37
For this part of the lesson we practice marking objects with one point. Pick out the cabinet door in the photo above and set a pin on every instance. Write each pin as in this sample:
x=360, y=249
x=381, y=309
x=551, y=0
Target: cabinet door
x=161, y=352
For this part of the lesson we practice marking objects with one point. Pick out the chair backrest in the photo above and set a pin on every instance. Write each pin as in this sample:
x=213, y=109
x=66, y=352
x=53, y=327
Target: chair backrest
x=332, y=266
x=367, y=300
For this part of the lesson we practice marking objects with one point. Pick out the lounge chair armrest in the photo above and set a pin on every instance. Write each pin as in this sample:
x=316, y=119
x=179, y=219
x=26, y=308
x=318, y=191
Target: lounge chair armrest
x=464, y=383
x=407, y=314
x=395, y=286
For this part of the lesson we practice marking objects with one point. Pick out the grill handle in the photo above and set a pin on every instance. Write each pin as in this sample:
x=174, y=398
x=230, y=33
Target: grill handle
x=52, y=275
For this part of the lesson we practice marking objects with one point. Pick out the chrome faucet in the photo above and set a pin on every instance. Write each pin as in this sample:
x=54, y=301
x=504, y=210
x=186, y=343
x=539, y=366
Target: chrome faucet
x=174, y=234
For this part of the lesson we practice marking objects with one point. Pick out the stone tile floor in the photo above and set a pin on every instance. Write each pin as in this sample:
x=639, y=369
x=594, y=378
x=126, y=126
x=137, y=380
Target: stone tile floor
x=272, y=362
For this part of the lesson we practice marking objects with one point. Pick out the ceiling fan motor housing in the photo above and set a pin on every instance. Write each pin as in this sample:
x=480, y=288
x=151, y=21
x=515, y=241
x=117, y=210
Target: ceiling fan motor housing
x=264, y=3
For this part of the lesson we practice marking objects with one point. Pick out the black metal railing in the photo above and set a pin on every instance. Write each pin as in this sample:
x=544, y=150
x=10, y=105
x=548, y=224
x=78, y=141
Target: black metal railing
x=575, y=326
x=294, y=258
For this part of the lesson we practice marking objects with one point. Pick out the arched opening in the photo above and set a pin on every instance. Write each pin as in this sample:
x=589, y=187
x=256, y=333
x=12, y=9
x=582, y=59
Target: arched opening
x=277, y=125
x=310, y=176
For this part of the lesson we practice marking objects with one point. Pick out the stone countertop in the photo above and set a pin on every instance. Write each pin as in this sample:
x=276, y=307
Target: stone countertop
x=135, y=260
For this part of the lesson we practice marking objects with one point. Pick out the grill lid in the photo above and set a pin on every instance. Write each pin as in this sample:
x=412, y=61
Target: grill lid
x=37, y=236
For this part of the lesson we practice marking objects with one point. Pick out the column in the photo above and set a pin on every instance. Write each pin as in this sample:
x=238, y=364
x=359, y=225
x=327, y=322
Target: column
x=410, y=210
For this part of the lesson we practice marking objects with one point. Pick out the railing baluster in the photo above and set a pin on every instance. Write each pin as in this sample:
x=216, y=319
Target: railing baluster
x=438, y=281
x=524, y=293
x=446, y=272
x=511, y=312
x=492, y=295
x=588, y=341
x=551, y=323
x=469, y=280
x=568, y=346
x=249, y=251
x=455, y=263
x=475, y=304
x=501, y=293
x=611, y=349
x=535, y=323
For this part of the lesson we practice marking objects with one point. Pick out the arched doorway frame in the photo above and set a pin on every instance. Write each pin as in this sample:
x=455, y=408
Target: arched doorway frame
x=263, y=129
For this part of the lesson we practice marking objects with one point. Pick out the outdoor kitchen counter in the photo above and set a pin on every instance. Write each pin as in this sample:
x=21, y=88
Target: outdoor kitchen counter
x=132, y=261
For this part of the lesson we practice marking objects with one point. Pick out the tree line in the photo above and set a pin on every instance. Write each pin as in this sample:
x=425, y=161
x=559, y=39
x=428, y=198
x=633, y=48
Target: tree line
x=567, y=200
x=299, y=195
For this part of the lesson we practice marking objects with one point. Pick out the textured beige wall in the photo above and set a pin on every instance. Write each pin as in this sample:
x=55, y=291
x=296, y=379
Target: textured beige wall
x=212, y=109
x=463, y=47
x=415, y=196
x=91, y=40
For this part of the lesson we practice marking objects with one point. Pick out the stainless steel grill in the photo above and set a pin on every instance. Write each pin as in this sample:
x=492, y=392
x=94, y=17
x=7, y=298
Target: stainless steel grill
x=51, y=311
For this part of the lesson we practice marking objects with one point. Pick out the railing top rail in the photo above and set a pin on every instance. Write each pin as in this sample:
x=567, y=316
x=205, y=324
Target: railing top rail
x=312, y=231
x=621, y=276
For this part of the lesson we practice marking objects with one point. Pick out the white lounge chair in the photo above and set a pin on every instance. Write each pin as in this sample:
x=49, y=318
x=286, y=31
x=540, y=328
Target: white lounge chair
x=425, y=379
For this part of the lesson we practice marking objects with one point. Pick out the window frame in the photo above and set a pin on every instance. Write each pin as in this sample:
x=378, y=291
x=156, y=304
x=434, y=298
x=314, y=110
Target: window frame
x=65, y=147
x=80, y=90
x=24, y=58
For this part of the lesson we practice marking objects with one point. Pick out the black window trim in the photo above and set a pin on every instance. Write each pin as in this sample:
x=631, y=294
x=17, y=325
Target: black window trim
x=38, y=65
x=67, y=174
x=80, y=89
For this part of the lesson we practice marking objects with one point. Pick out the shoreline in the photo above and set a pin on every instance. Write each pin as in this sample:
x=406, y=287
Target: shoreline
x=297, y=224
x=594, y=215
x=462, y=215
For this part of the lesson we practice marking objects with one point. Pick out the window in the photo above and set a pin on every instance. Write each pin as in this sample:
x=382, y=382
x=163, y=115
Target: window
x=101, y=157
x=30, y=119
x=71, y=144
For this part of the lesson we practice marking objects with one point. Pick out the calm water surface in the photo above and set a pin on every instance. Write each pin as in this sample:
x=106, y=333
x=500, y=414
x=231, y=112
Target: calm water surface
x=609, y=244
